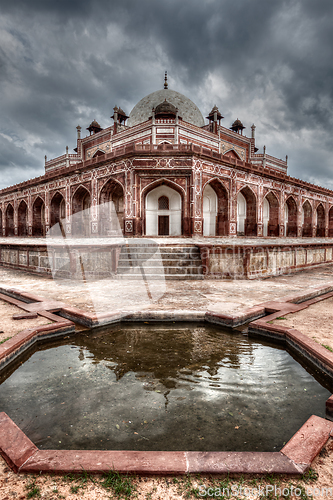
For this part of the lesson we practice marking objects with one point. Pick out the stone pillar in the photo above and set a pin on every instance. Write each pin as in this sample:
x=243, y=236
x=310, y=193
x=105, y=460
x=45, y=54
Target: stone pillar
x=29, y=215
x=314, y=221
x=299, y=217
x=197, y=219
x=94, y=226
x=47, y=210
x=128, y=203
x=15, y=215
x=260, y=224
x=282, y=226
x=232, y=216
x=68, y=208
x=327, y=208
x=153, y=128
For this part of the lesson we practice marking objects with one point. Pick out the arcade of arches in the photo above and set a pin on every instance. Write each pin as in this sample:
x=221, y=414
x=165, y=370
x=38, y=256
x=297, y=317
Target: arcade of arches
x=165, y=208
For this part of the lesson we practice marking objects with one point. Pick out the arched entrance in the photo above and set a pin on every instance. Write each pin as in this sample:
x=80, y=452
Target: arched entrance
x=163, y=212
x=320, y=215
x=81, y=212
x=112, y=209
x=209, y=211
x=38, y=217
x=22, y=219
x=246, y=213
x=9, y=220
x=270, y=215
x=307, y=219
x=58, y=211
x=290, y=217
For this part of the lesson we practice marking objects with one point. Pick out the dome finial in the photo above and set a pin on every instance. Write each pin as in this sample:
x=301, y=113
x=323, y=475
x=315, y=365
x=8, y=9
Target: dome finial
x=166, y=80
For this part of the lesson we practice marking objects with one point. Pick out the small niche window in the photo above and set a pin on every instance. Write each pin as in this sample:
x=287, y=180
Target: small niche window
x=163, y=203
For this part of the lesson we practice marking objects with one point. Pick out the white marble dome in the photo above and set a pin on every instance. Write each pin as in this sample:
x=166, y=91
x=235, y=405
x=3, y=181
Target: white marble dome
x=187, y=110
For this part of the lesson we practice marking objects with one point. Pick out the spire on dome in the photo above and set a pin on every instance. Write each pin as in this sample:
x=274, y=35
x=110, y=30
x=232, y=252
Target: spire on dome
x=166, y=80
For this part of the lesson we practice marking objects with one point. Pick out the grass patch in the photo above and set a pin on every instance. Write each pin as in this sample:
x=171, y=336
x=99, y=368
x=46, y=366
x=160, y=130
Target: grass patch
x=4, y=340
x=327, y=347
x=33, y=490
x=121, y=484
x=310, y=476
x=281, y=317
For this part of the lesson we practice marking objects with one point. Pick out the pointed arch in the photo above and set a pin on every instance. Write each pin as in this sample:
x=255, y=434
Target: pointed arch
x=9, y=220
x=163, y=222
x=320, y=219
x=307, y=219
x=81, y=203
x=38, y=217
x=58, y=209
x=271, y=207
x=246, y=212
x=290, y=217
x=222, y=209
x=22, y=215
x=112, y=211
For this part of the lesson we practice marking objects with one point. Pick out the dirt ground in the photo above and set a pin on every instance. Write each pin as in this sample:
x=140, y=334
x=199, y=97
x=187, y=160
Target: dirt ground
x=10, y=327
x=315, y=321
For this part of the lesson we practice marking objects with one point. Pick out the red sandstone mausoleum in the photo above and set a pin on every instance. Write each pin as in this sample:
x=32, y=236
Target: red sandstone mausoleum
x=167, y=174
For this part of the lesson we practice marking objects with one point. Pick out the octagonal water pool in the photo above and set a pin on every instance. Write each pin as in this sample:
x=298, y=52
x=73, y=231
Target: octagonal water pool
x=161, y=387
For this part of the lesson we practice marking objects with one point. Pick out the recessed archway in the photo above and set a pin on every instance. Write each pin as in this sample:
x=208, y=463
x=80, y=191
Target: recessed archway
x=81, y=212
x=270, y=215
x=209, y=211
x=290, y=217
x=22, y=219
x=38, y=217
x=58, y=210
x=162, y=221
x=246, y=213
x=9, y=219
x=307, y=219
x=320, y=216
x=112, y=209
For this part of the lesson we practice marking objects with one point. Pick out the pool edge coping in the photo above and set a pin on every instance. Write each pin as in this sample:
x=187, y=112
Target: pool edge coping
x=294, y=458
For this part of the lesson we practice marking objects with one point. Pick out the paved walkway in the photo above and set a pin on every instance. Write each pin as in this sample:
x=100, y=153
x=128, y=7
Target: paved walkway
x=224, y=240
x=223, y=296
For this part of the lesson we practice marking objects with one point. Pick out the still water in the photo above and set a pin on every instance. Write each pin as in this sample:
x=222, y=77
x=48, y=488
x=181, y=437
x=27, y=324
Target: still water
x=160, y=387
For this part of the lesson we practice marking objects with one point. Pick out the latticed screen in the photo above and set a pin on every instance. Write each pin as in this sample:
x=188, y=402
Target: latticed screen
x=163, y=203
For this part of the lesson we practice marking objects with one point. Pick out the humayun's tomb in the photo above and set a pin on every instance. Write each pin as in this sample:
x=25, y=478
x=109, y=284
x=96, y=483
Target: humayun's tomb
x=166, y=173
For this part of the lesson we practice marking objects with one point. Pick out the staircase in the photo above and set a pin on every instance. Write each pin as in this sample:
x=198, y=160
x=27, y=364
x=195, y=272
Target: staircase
x=151, y=261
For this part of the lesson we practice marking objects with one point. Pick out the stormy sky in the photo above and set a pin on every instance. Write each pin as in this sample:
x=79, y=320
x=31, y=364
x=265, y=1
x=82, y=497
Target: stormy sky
x=267, y=62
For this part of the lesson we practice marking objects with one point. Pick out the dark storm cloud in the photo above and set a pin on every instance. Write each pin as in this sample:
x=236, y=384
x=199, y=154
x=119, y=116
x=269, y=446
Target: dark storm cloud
x=268, y=62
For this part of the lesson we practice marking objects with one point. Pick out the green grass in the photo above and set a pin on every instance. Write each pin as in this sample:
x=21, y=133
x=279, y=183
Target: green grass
x=327, y=347
x=121, y=484
x=33, y=490
x=4, y=340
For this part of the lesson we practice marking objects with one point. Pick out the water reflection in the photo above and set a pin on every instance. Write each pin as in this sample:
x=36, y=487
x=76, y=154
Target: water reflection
x=160, y=387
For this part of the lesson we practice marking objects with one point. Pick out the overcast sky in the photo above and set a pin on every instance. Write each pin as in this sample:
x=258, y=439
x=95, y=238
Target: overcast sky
x=67, y=62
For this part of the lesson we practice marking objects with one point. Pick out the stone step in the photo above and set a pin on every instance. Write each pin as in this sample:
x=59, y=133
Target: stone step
x=124, y=262
x=160, y=277
x=173, y=262
x=161, y=270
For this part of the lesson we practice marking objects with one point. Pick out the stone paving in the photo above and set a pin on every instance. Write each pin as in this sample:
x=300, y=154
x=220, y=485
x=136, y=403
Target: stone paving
x=221, y=296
